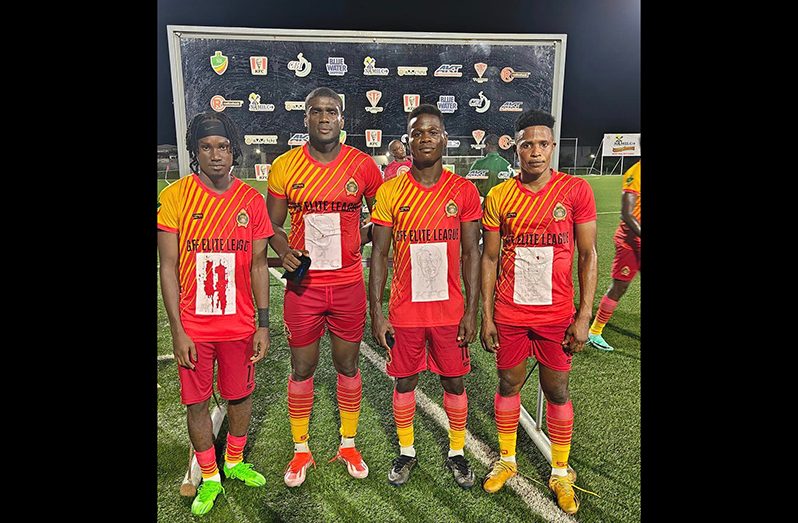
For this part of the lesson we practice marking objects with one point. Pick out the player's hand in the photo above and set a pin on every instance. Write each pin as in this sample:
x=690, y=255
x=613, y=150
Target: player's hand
x=290, y=260
x=467, y=329
x=184, y=350
x=575, y=336
x=489, y=336
x=379, y=326
x=260, y=344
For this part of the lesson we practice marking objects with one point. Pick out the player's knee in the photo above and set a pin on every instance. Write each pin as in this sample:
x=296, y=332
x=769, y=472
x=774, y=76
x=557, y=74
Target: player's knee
x=454, y=386
x=617, y=289
x=557, y=397
x=197, y=409
x=347, y=367
x=303, y=372
x=509, y=386
x=406, y=384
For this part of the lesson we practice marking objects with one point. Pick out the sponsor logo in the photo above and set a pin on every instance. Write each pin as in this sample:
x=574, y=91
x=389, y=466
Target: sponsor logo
x=298, y=186
x=351, y=187
x=508, y=74
x=478, y=135
x=258, y=65
x=624, y=148
x=504, y=175
x=448, y=71
x=262, y=171
x=370, y=69
x=219, y=63
x=411, y=101
x=477, y=174
x=254, y=139
x=298, y=139
x=300, y=66
x=453, y=143
x=294, y=106
x=404, y=208
x=505, y=142
x=512, y=107
x=374, y=97
x=511, y=214
x=449, y=167
x=446, y=103
x=219, y=104
x=336, y=66
x=480, y=104
x=411, y=70
x=255, y=105
x=559, y=212
x=373, y=137
x=342, y=136
x=451, y=208
x=242, y=219
x=343, y=101
x=197, y=216
x=480, y=68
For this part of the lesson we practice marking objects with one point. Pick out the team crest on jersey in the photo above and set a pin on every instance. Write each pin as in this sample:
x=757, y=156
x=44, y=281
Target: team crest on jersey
x=351, y=187
x=242, y=219
x=402, y=169
x=451, y=208
x=625, y=270
x=559, y=212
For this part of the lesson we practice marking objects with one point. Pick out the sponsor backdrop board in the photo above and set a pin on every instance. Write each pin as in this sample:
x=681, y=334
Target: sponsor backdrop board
x=260, y=77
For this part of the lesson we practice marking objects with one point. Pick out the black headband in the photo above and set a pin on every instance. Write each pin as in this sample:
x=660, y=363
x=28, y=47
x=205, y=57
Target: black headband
x=211, y=128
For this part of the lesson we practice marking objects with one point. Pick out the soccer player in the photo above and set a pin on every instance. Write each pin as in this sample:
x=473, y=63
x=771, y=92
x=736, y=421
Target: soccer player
x=212, y=234
x=431, y=214
x=492, y=166
x=322, y=184
x=626, y=263
x=400, y=164
x=536, y=219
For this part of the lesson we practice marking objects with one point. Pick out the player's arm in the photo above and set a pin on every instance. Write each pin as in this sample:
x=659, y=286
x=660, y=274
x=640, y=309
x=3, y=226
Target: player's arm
x=260, y=290
x=587, y=267
x=378, y=275
x=469, y=242
x=628, y=201
x=491, y=243
x=366, y=231
x=183, y=347
x=277, y=209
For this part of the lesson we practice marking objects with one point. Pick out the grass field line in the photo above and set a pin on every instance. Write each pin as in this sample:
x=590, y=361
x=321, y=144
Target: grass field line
x=164, y=357
x=536, y=501
x=609, y=212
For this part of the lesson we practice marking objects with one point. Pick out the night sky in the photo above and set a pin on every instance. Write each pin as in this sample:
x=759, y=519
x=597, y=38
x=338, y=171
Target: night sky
x=602, y=62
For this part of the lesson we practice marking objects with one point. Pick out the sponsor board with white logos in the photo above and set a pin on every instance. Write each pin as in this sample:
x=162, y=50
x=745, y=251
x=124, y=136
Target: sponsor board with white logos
x=255, y=139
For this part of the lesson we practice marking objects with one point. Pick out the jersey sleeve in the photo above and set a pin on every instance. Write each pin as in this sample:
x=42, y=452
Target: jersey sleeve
x=260, y=219
x=584, y=204
x=276, y=182
x=381, y=213
x=631, y=179
x=373, y=177
x=472, y=210
x=168, y=209
x=490, y=220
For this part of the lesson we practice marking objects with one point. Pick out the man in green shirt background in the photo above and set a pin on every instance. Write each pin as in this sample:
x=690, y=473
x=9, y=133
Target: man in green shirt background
x=491, y=169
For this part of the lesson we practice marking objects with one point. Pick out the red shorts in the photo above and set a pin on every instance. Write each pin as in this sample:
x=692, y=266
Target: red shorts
x=544, y=343
x=627, y=255
x=306, y=311
x=409, y=355
x=235, y=376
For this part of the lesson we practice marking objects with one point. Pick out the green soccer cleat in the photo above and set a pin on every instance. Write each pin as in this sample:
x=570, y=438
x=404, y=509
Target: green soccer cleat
x=206, y=494
x=598, y=342
x=244, y=472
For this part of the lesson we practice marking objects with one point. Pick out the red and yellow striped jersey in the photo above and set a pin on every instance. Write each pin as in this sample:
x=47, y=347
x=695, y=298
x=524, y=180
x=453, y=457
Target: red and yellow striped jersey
x=215, y=234
x=631, y=183
x=324, y=201
x=535, y=285
x=425, y=288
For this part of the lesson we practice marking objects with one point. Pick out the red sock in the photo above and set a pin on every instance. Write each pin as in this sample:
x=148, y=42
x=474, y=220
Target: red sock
x=349, y=392
x=560, y=420
x=300, y=403
x=507, y=410
x=207, y=462
x=235, y=449
x=404, y=409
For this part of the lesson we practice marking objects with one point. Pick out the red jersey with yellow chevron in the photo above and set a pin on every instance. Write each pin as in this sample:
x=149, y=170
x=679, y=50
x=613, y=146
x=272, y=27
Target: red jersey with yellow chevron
x=324, y=201
x=425, y=288
x=535, y=285
x=215, y=234
x=631, y=183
